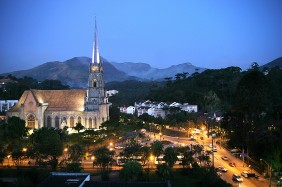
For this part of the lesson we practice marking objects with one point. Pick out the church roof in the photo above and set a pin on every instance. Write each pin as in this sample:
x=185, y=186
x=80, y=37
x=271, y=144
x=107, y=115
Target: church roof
x=57, y=100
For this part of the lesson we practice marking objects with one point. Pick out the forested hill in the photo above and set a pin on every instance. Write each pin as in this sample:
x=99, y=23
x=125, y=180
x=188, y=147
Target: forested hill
x=206, y=89
x=211, y=90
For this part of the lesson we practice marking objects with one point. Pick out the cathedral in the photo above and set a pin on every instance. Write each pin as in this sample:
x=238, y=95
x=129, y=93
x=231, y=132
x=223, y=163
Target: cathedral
x=60, y=108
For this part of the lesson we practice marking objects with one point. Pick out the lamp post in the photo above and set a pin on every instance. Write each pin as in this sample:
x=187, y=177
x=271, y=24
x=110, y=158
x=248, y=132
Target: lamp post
x=9, y=159
x=66, y=152
x=92, y=159
x=24, y=151
x=213, y=135
x=269, y=170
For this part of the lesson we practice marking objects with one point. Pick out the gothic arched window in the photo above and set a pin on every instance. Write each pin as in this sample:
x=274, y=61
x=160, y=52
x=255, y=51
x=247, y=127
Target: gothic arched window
x=95, y=123
x=90, y=123
x=64, y=122
x=71, y=122
x=49, y=122
x=57, y=124
x=79, y=119
x=31, y=121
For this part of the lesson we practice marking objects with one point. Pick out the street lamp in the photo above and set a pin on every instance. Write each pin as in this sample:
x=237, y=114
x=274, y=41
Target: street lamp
x=269, y=170
x=66, y=152
x=151, y=159
x=8, y=159
x=93, y=158
x=24, y=151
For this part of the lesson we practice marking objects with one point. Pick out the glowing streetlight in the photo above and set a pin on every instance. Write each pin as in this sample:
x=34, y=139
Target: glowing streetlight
x=92, y=157
x=151, y=157
x=24, y=149
x=8, y=159
x=111, y=144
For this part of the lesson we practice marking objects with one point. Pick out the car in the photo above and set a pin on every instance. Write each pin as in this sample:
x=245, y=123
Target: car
x=224, y=158
x=232, y=164
x=245, y=174
x=214, y=149
x=237, y=178
x=219, y=173
x=222, y=169
x=235, y=150
x=119, y=147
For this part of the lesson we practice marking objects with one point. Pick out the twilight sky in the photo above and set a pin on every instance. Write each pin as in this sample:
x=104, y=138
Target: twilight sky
x=210, y=34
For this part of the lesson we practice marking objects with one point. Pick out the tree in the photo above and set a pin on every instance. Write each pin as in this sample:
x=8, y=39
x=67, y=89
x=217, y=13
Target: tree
x=78, y=127
x=131, y=151
x=75, y=152
x=130, y=171
x=164, y=171
x=145, y=154
x=12, y=139
x=103, y=158
x=157, y=148
x=187, y=158
x=46, y=144
x=170, y=156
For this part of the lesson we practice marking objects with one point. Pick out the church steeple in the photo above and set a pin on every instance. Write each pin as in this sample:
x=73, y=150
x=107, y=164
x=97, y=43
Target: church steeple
x=96, y=93
x=95, y=52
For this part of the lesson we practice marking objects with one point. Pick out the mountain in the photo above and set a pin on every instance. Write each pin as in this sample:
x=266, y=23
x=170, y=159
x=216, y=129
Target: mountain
x=73, y=72
x=146, y=72
x=275, y=63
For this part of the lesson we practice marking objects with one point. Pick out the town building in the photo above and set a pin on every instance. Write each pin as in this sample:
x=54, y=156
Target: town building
x=156, y=109
x=5, y=105
x=60, y=108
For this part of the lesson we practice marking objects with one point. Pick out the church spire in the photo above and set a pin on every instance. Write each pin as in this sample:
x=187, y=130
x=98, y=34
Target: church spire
x=95, y=52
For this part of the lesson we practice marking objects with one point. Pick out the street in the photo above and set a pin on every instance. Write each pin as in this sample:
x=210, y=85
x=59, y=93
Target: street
x=227, y=176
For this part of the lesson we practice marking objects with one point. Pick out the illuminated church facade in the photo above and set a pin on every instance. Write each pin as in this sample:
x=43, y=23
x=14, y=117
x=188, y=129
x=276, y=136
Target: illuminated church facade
x=60, y=108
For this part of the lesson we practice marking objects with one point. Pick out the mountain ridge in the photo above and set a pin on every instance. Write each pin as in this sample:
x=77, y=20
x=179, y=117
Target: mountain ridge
x=74, y=71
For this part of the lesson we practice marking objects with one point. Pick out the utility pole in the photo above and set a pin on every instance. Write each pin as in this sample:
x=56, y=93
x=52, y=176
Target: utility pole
x=213, y=135
x=270, y=175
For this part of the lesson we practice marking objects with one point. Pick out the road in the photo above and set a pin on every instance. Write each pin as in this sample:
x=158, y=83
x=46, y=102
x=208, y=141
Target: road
x=227, y=176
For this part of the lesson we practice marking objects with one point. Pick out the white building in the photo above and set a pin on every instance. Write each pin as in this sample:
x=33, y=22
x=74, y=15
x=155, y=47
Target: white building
x=130, y=110
x=112, y=92
x=157, y=109
x=189, y=108
x=5, y=105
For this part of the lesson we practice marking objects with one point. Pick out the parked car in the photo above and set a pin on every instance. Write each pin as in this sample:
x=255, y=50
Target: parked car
x=222, y=169
x=245, y=174
x=224, y=158
x=237, y=178
x=232, y=164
